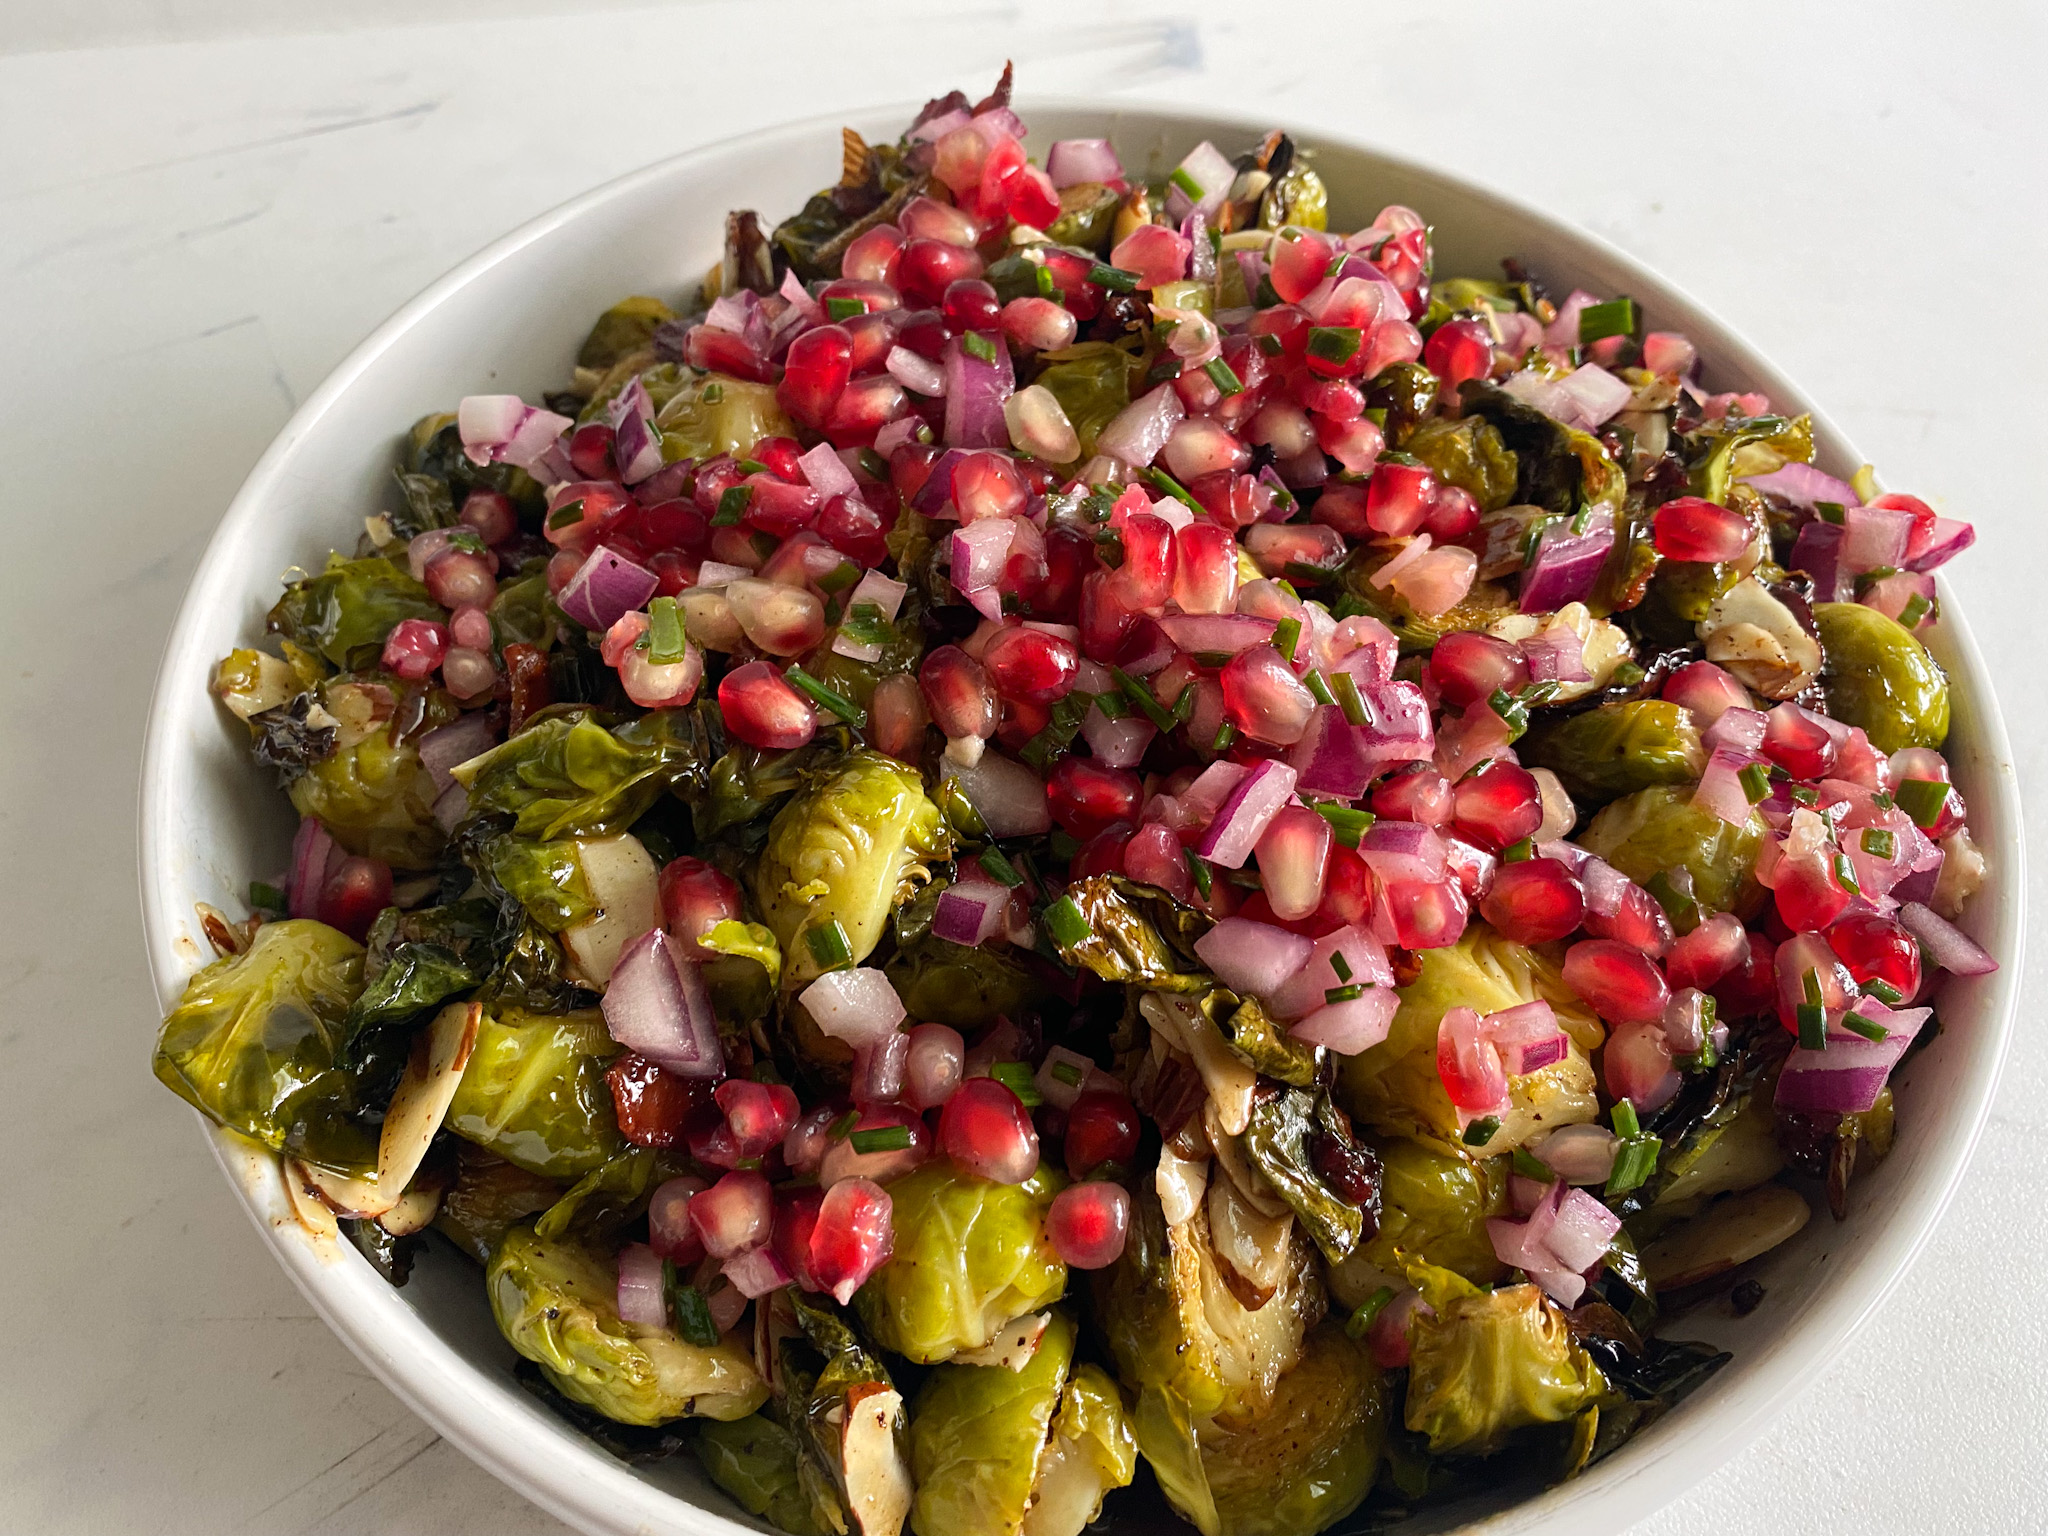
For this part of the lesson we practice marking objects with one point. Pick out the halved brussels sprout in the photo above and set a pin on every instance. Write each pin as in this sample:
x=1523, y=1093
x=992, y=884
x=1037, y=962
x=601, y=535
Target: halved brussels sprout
x=1434, y=1205
x=853, y=1442
x=556, y=1302
x=1469, y=453
x=351, y=605
x=376, y=798
x=1660, y=830
x=720, y=415
x=252, y=1044
x=623, y=329
x=970, y=1255
x=1486, y=1363
x=1094, y=1449
x=1616, y=749
x=1394, y=1086
x=846, y=850
x=568, y=776
x=1879, y=676
x=488, y=1197
x=1087, y=215
x=756, y=1461
x=963, y=985
x=534, y=1092
x=1092, y=382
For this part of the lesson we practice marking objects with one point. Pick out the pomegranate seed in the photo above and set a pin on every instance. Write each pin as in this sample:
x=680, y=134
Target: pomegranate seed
x=715, y=351
x=1453, y=516
x=1342, y=507
x=843, y=1160
x=987, y=485
x=458, y=579
x=796, y=1219
x=1499, y=805
x=1620, y=983
x=1798, y=742
x=1282, y=426
x=874, y=298
x=781, y=620
x=897, y=718
x=491, y=514
x=353, y=894
x=1418, y=794
x=1264, y=699
x=759, y=1115
x=1638, y=922
x=1354, y=444
x=1751, y=987
x=1459, y=350
x=866, y=406
x=1337, y=399
x=1706, y=690
x=695, y=896
x=956, y=692
x=1427, y=914
x=803, y=1149
x=1038, y=325
x=1198, y=446
x=999, y=172
x=1534, y=901
x=1809, y=955
x=1158, y=255
x=670, y=1232
x=1709, y=952
x=590, y=451
x=855, y=529
x=1294, y=858
x=1807, y=893
x=415, y=647
x=1398, y=498
x=1300, y=259
x=1473, y=867
x=1152, y=856
x=969, y=304
x=815, y=374
x=1204, y=568
x=871, y=256
x=1102, y=1134
x=1087, y=797
x=1877, y=949
x=854, y=1236
x=1088, y=1224
x=468, y=674
x=1668, y=352
x=653, y=1106
x=783, y=457
x=734, y=1215
x=1637, y=1066
x=985, y=1130
x=925, y=219
x=1469, y=1065
x=1691, y=528
x=925, y=268
x=764, y=711
x=1468, y=667
x=1144, y=581
x=933, y=1069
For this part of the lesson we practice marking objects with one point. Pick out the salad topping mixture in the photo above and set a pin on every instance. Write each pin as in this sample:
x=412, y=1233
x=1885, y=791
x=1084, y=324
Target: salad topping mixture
x=1074, y=821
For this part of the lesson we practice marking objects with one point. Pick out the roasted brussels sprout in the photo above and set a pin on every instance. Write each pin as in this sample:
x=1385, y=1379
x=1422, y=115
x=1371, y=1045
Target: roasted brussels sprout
x=853, y=1444
x=1280, y=1141
x=1469, y=453
x=1087, y=215
x=252, y=1043
x=1092, y=382
x=988, y=1444
x=1434, y=1206
x=621, y=330
x=720, y=415
x=556, y=1303
x=350, y=606
x=846, y=850
x=376, y=799
x=569, y=776
x=1660, y=830
x=1297, y=196
x=1617, y=749
x=545, y=878
x=1394, y=1086
x=756, y=1461
x=1879, y=676
x=1486, y=1363
x=489, y=1195
x=970, y=1255
x=965, y=986
x=534, y=1092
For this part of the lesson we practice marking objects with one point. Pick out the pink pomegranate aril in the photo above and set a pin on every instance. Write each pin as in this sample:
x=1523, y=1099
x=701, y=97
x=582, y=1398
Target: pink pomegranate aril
x=1804, y=967
x=924, y=219
x=670, y=1232
x=1706, y=690
x=1153, y=856
x=854, y=1236
x=733, y=1215
x=1808, y=895
x=1497, y=806
x=987, y=1132
x=845, y=1160
x=1263, y=698
x=1088, y=1224
x=764, y=711
x=1087, y=798
x=1459, y=350
x=1294, y=857
x=1300, y=258
x=1713, y=949
x=1620, y=983
x=957, y=693
x=1798, y=742
x=1029, y=666
x=1427, y=914
x=458, y=579
x=1469, y=667
x=1398, y=498
x=933, y=1069
x=491, y=514
x=1144, y=582
x=1204, y=568
x=1453, y=515
x=590, y=451
x=1692, y=528
x=414, y=648
x=819, y=364
x=696, y=897
x=1637, y=1066
x=872, y=254
x=1155, y=253
x=759, y=1115
x=796, y=1218
x=1038, y=325
x=1416, y=794
x=1638, y=922
x=1468, y=1065
x=1534, y=901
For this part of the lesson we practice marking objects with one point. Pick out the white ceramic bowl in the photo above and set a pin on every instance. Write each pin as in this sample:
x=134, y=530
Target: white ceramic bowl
x=510, y=319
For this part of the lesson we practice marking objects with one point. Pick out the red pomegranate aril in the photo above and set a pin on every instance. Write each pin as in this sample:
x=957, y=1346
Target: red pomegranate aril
x=1706, y=690
x=873, y=336
x=734, y=1215
x=1807, y=894
x=1497, y=806
x=925, y=219
x=353, y=894
x=1087, y=797
x=1427, y=914
x=1877, y=948
x=1069, y=558
x=987, y=1132
x=696, y=896
x=1617, y=981
x=1534, y=901
x=1300, y=259
x=1294, y=858
x=863, y=409
x=1102, y=854
x=815, y=373
x=969, y=304
x=1469, y=666
x=1088, y=1224
x=1263, y=698
x=1469, y=1065
x=1144, y=581
x=1692, y=528
x=491, y=514
x=590, y=451
x=1750, y=988
x=458, y=579
x=855, y=529
x=1398, y=498
x=796, y=1218
x=934, y=1066
x=715, y=351
x=1637, y=1066
x=999, y=172
x=957, y=693
x=1638, y=922
x=854, y=1236
x=1356, y=445
x=1337, y=399
x=1453, y=516
x=925, y=269
x=897, y=718
x=1153, y=857
x=414, y=648
x=1204, y=568
x=1804, y=956
x=1713, y=949
x=987, y=485
x=764, y=711
x=872, y=254
x=1102, y=1134
x=781, y=456
x=1418, y=794
x=1798, y=743
x=1157, y=255
x=1457, y=351
x=670, y=1232
x=759, y=1115
x=655, y=1107
x=777, y=508
x=1038, y=325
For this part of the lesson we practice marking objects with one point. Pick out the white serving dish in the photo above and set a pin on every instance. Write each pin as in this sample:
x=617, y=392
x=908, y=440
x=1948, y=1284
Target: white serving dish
x=510, y=319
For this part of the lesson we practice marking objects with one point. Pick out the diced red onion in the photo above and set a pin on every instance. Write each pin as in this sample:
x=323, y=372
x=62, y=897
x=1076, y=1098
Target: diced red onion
x=637, y=445
x=1387, y=1339
x=1251, y=958
x=1598, y=394
x=938, y=127
x=1564, y=330
x=1556, y=654
x=1070, y=161
x=453, y=804
x=1544, y=394
x=643, y=1298
x=827, y=473
x=314, y=854
x=1846, y=1078
x=1566, y=564
x=757, y=1272
x=605, y=588
x=1335, y=757
x=1818, y=552
x=1578, y=1154
x=1737, y=729
x=1245, y=814
x=1307, y=989
x=1950, y=539
x=1138, y=431
x=1605, y=886
x=503, y=429
x=887, y=595
x=451, y=745
x=1947, y=946
x=970, y=911
x=1059, y=1065
x=1403, y=850
x=1527, y=1036
x=1120, y=743
x=1222, y=633
x=919, y=375
x=1212, y=171
x=1009, y=798
x=1720, y=788
x=858, y=1005
x=894, y=434
x=1802, y=485
x=975, y=392
x=1581, y=1231
x=656, y=1003
x=1354, y=1025
x=1873, y=537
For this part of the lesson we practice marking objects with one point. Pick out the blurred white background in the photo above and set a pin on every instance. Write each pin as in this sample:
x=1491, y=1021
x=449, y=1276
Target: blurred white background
x=205, y=203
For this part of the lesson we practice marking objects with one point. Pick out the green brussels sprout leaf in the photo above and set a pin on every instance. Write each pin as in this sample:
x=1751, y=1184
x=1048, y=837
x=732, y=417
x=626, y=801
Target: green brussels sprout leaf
x=566, y=775
x=1879, y=676
x=1277, y=1142
x=534, y=1092
x=350, y=606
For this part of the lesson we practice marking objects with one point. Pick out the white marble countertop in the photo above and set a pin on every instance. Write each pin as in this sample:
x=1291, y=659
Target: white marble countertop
x=204, y=205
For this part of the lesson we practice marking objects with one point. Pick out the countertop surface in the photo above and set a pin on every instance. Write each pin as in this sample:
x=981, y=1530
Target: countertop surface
x=204, y=204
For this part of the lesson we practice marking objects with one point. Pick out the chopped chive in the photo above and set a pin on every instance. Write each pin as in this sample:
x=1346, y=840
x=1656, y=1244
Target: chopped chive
x=843, y=1126
x=1923, y=800
x=1340, y=965
x=1359, y=1323
x=713, y=393
x=466, y=539
x=1514, y=714
x=665, y=643
x=873, y=463
x=998, y=868
x=866, y=626
x=1878, y=843
x=1809, y=986
x=1626, y=674
x=1205, y=882
x=686, y=1304
x=1482, y=1130
x=881, y=1138
x=1845, y=875
x=1756, y=782
x=1103, y=275
x=1813, y=1026
x=844, y=309
x=1223, y=376
x=267, y=898
x=1286, y=636
x=1113, y=705
x=1880, y=801
x=1167, y=368
x=1830, y=512
x=732, y=506
x=1530, y=1166
x=829, y=946
x=567, y=513
x=1917, y=608
x=978, y=345
x=1184, y=706
x=1320, y=687
x=1884, y=992
x=1349, y=993
x=1271, y=345
x=839, y=578
x=1183, y=179
x=1519, y=853
x=825, y=698
x=1345, y=687
x=1335, y=343
x=1869, y=1029
x=1347, y=823
x=1068, y=1073
x=1066, y=924
x=1626, y=1124
x=1173, y=488
x=1634, y=1161
x=1617, y=317
x=1226, y=733
x=1017, y=1077
x=753, y=466
x=1314, y=575
x=1042, y=276
x=1705, y=1059
x=1142, y=696
x=1805, y=794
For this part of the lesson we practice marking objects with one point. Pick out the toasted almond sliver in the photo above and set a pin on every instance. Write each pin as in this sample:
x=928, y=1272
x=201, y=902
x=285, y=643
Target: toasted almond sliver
x=365, y=1199
x=425, y=1090
x=415, y=1209
x=1014, y=1345
x=307, y=1204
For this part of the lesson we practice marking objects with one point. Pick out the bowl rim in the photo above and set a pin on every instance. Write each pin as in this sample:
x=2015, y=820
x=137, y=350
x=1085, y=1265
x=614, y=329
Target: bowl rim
x=492, y=1423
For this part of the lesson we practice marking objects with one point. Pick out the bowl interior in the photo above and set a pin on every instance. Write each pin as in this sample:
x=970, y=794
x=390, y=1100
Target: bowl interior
x=511, y=320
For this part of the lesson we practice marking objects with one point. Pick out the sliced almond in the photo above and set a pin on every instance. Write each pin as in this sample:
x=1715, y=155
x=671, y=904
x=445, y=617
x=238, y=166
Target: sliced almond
x=1014, y=1345
x=364, y=1199
x=1731, y=1231
x=878, y=1485
x=1251, y=1249
x=312, y=1210
x=416, y=1208
x=432, y=1074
